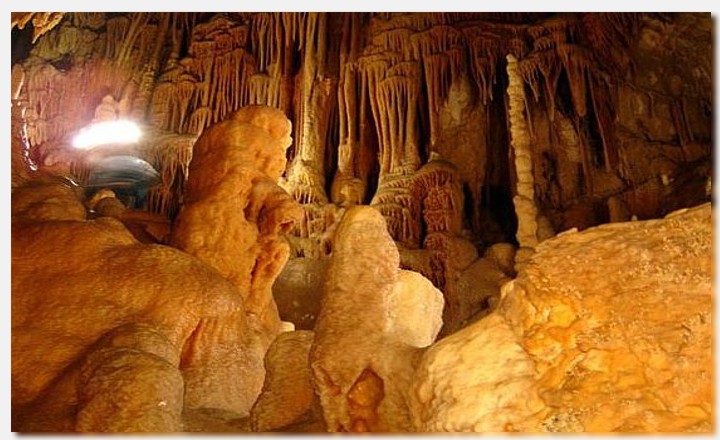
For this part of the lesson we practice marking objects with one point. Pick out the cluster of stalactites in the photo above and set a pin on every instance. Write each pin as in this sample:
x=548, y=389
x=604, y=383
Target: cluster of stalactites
x=202, y=88
x=442, y=54
x=230, y=65
x=585, y=47
x=42, y=21
x=170, y=154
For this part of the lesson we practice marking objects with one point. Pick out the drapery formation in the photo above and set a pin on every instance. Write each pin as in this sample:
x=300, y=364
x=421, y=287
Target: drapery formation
x=371, y=98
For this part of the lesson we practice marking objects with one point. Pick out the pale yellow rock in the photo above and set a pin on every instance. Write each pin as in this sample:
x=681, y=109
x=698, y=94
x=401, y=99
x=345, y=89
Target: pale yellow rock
x=604, y=330
x=478, y=379
x=373, y=320
x=414, y=310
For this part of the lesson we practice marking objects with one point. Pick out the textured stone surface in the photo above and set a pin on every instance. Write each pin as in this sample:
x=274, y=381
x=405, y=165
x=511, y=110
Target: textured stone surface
x=74, y=281
x=234, y=215
x=605, y=330
x=236, y=163
x=478, y=379
x=373, y=319
x=288, y=396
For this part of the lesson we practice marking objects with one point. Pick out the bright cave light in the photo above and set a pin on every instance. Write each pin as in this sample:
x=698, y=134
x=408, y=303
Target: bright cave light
x=107, y=132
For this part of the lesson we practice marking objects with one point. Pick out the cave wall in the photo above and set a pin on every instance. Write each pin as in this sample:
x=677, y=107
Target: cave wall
x=412, y=113
x=373, y=94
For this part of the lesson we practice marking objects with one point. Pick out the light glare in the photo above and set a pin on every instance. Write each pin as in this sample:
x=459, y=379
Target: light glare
x=107, y=132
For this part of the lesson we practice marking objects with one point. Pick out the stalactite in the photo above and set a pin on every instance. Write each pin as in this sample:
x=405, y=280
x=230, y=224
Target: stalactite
x=442, y=56
x=542, y=68
x=184, y=91
x=393, y=88
x=484, y=51
x=437, y=39
x=396, y=40
x=159, y=114
x=264, y=89
x=528, y=69
x=347, y=104
x=315, y=97
x=204, y=64
x=138, y=20
x=237, y=57
x=348, y=186
x=604, y=115
x=170, y=154
x=576, y=64
x=373, y=68
x=261, y=37
x=143, y=98
x=40, y=87
x=222, y=81
x=199, y=120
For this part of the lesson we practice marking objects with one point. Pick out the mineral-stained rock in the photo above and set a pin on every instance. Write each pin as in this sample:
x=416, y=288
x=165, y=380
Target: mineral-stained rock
x=288, y=396
x=373, y=320
x=180, y=333
x=605, y=330
x=234, y=215
x=236, y=163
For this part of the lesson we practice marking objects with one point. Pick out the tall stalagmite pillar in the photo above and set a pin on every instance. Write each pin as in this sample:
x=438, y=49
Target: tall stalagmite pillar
x=524, y=199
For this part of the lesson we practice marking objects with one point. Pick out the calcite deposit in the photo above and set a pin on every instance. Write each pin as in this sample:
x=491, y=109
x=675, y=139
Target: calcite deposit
x=585, y=341
x=361, y=222
x=373, y=320
x=130, y=335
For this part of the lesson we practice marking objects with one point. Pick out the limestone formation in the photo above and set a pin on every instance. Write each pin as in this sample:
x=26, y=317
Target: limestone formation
x=524, y=200
x=478, y=137
x=288, y=397
x=373, y=320
x=109, y=334
x=236, y=163
x=585, y=341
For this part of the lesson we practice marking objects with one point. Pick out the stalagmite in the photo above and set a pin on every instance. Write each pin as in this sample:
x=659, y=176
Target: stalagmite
x=373, y=319
x=236, y=163
x=524, y=198
x=469, y=162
